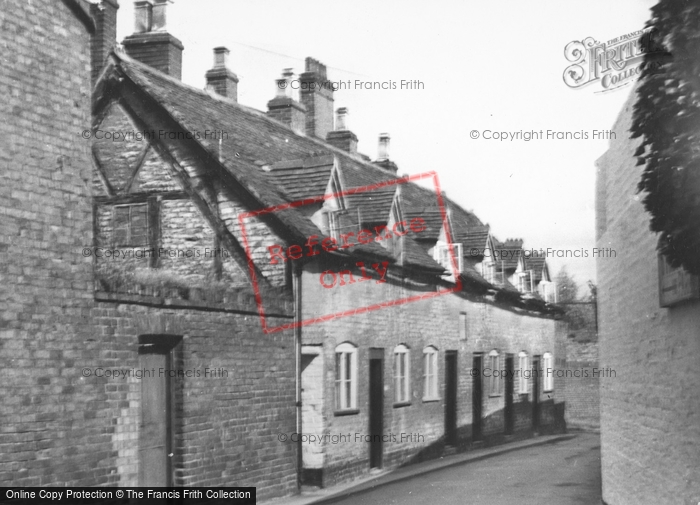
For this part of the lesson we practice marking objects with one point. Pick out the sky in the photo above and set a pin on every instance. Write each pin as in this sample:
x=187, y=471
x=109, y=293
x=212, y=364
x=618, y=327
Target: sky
x=483, y=67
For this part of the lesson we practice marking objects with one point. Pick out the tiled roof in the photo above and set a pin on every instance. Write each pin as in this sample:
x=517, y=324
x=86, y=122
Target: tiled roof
x=303, y=178
x=474, y=240
x=417, y=201
x=414, y=254
x=507, y=254
x=277, y=165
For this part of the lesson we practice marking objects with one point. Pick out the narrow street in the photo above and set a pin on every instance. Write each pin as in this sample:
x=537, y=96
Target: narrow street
x=566, y=472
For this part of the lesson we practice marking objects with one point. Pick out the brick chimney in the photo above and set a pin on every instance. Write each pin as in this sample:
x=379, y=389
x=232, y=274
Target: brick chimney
x=151, y=43
x=284, y=108
x=383, y=154
x=317, y=97
x=220, y=79
x=342, y=137
x=104, y=13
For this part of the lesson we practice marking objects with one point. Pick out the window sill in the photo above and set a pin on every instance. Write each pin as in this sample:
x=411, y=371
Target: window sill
x=346, y=412
x=431, y=399
x=495, y=395
x=399, y=405
x=547, y=391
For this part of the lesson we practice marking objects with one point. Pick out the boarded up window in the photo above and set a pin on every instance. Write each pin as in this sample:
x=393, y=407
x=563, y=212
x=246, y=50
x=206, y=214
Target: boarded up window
x=131, y=225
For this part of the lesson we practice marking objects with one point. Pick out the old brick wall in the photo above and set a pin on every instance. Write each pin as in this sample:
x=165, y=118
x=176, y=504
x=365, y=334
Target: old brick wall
x=53, y=430
x=418, y=324
x=582, y=386
x=227, y=426
x=63, y=426
x=650, y=409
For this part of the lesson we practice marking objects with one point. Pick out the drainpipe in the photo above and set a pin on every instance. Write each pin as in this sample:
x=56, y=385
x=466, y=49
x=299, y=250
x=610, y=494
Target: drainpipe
x=296, y=279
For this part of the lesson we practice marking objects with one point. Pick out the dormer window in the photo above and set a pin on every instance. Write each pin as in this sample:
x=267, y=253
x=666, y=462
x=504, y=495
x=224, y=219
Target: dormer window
x=443, y=256
x=525, y=282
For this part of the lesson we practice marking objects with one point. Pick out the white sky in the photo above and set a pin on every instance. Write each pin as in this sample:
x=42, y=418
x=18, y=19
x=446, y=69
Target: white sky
x=485, y=66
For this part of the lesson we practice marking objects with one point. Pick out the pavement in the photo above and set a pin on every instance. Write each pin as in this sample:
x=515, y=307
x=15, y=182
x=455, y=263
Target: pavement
x=379, y=487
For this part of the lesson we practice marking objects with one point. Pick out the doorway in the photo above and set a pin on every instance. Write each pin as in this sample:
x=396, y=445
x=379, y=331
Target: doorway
x=508, y=412
x=536, y=393
x=156, y=425
x=376, y=407
x=477, y=396
x=451, y=398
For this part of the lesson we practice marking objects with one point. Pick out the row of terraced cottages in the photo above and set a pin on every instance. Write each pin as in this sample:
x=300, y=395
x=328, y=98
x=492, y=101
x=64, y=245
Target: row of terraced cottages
x=315, y=314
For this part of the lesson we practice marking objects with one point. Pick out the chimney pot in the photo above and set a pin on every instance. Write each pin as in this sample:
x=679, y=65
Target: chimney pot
x=383, y=152
x=284, y=107
x=221, y=57
x=151, y=44
x=143, y=15
x=342, y=137
x=220, y=78
x=341, y=119
x=158, y=22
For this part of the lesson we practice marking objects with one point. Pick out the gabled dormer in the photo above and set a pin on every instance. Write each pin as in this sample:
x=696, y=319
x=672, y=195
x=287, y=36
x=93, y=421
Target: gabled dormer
x=448, y=253
x=532, y=276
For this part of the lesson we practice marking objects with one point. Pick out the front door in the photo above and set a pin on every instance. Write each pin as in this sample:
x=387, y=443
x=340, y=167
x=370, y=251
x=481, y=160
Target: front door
x=477, y=391
x=376, y=407
x=155, y=434
x=536, y=393
x=451, y=397
x=508, y=412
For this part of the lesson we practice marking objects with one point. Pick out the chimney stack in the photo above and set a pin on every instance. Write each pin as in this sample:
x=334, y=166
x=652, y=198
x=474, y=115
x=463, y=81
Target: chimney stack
x=342, y=137
x=317, y=97
x=284, y=108
x=220, y=79
x=383, y=154
x=151, y=43
x=105, y=37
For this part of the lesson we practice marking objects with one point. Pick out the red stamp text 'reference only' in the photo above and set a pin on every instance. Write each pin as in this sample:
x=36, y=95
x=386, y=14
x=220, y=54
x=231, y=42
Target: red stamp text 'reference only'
x=358, y=310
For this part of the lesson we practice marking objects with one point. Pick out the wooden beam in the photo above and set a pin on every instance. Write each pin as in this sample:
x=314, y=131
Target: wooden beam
x=227, y=238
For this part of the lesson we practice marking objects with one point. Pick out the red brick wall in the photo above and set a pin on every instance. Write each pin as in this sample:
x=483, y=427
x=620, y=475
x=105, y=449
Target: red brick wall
x=650, y=410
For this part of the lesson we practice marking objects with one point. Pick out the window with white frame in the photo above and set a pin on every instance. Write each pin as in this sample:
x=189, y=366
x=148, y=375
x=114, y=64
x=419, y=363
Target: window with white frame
x=430, y=373
x=443, y=256
x=494, y=380
x=524, y=373
x=548, y=365
x=345, y=377
x=524, y=282
x=401, y=374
